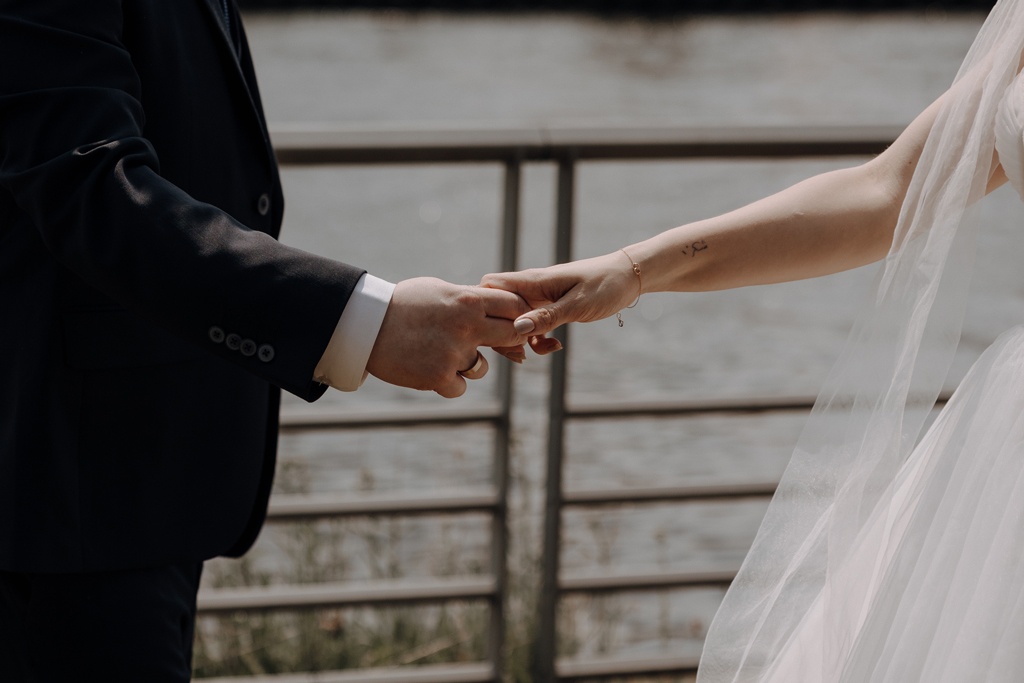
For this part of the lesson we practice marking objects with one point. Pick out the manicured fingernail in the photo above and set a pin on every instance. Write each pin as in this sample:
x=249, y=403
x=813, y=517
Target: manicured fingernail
x=524, y=325
x=557, y=346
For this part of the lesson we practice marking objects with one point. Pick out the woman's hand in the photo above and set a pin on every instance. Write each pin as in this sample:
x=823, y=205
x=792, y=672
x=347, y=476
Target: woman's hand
x=580, y=291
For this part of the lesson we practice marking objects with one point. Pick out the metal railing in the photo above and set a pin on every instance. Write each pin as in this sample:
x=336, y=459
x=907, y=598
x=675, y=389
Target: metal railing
x=512, y=147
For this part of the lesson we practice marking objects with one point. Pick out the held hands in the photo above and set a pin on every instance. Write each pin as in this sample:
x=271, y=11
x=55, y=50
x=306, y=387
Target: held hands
x=432, y=329
x=580, y=291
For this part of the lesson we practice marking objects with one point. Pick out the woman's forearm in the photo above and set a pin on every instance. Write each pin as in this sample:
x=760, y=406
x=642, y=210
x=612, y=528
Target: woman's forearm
x=831, y=222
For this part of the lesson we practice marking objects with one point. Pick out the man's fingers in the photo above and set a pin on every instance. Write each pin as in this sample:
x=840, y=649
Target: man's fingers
x=516, y=354
x=499, y=303
x=497, y=333
x=478, y=369
x=509, y=282
x=453, y=387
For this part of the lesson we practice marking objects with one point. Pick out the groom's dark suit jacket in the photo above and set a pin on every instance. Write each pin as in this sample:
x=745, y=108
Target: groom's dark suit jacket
x=147, y=312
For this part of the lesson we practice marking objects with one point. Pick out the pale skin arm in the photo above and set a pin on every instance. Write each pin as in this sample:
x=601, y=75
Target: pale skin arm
x=826, y=224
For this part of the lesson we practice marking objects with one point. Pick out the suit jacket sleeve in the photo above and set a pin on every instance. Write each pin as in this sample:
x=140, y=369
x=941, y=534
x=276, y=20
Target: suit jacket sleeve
x=75, y=157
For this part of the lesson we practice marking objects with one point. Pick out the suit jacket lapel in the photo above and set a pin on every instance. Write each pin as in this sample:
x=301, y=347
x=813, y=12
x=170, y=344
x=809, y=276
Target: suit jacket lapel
x=216, y=13
x=237, y=61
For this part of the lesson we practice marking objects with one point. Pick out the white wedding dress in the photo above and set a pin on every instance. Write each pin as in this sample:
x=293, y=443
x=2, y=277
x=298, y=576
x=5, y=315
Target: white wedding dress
x=944, y=600
x=888, y=558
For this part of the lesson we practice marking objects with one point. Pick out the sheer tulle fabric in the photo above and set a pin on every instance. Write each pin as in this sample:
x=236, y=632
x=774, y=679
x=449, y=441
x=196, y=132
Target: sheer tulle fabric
x=885, y=556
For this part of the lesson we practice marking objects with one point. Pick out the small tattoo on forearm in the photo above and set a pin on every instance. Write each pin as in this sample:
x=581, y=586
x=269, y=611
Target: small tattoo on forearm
x=692, y=249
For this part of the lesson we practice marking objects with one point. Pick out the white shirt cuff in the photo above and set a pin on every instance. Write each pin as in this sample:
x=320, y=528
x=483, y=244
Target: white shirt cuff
x=343, y=365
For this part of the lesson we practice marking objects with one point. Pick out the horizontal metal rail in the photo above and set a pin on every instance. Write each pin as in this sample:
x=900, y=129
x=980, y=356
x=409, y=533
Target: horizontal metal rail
x=616, y=583
x=310, y=418
x=314, y=145
x=307, y=418
x=665, y=494
x=294, y=508
x=614, y=667
x=346, y=594
x=432, y=673
x=595, y=410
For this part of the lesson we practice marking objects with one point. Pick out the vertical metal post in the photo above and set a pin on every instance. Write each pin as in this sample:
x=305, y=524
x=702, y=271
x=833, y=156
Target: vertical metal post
x=545, y=647
x=502, y=436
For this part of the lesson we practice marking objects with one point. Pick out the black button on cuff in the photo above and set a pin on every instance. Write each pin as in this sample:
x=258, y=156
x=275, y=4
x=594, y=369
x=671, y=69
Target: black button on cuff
x=216, y=335
x=248, y=347
x=266, y=353
x=263, y=204
x=233, y=341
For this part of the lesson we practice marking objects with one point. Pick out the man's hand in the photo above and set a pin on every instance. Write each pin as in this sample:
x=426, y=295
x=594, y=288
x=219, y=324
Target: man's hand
x=432, y=329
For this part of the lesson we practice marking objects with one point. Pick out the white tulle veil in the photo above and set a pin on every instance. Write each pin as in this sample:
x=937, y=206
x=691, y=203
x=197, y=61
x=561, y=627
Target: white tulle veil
x=875, y=401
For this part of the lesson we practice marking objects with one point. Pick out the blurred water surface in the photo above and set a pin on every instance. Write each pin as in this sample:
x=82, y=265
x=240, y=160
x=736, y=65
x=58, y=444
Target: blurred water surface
x=393, y=68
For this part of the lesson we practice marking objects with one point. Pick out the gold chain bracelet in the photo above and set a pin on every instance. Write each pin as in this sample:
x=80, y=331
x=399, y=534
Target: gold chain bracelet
x=640, y=283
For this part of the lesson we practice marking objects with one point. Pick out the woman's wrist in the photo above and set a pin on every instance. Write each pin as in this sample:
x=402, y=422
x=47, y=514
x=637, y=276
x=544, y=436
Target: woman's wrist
x=670, y=261
x=639, y=284
x=638, y=271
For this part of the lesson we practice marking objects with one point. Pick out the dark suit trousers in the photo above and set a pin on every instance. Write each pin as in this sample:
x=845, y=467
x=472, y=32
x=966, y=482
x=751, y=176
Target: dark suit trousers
x=115, y=627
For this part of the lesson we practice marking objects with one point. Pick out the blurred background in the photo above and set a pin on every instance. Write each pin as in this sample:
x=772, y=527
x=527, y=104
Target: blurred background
x=398, y=65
